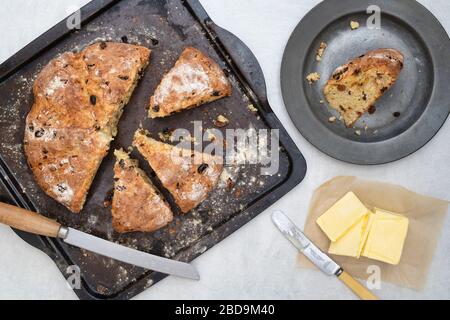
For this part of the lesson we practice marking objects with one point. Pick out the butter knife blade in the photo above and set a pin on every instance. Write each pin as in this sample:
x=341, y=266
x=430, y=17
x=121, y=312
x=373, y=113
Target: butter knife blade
x=304, y=245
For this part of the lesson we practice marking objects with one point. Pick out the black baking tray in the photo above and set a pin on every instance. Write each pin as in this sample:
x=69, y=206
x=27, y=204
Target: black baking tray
x=407, y=116
x=166, y=27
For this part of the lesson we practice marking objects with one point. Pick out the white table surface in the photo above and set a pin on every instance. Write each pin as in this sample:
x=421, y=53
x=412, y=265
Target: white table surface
x=256, y=262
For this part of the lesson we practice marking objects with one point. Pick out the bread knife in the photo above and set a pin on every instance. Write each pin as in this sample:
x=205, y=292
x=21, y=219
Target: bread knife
x=35, y=223
x=317, y=257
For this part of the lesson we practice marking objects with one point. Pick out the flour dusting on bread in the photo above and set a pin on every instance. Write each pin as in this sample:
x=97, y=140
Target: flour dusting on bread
x=181, y=80
x=54, y=85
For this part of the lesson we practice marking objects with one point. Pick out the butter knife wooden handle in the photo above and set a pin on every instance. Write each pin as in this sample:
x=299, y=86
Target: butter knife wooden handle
x=361, y=291
x=28, y=221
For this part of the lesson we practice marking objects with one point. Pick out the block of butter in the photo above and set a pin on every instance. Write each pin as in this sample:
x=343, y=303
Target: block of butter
x=343, y=215
x=386, y=237
x=352, y=242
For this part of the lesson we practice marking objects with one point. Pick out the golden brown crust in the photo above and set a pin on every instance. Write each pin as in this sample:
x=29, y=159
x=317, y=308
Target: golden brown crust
x=356, y=86
x=136, y=204
x=189, y=176
x=78, y=101
x=194, y=80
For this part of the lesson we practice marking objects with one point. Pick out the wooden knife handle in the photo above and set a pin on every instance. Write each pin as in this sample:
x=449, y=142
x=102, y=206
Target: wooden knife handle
x=28, y=221
x=357, y=287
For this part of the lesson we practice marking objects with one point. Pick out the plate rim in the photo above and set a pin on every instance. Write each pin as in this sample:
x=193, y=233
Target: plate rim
x=365, y=153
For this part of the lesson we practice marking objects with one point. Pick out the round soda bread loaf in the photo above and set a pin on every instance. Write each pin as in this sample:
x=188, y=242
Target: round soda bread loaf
x=78, y=100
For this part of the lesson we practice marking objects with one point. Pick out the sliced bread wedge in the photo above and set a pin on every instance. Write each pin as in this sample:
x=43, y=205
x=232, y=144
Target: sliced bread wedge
x=188, y=175
x=194, y=80
x=354, y=87
x=136, y=205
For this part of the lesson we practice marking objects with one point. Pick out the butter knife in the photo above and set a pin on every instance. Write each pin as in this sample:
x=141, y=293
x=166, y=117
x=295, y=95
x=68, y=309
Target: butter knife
x=316, y=256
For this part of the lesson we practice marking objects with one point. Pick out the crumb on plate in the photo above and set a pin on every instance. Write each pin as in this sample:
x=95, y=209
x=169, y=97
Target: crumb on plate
x=320, y=51
x=313, y=77
x=354, y=25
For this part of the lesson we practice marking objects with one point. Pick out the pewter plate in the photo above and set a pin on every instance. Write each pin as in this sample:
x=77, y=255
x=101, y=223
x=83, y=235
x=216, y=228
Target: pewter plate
x=407, y=116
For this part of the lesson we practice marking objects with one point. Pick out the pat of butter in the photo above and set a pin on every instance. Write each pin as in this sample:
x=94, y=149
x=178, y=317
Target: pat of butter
x=386, y=237
x=352, y=242
x=343, y=215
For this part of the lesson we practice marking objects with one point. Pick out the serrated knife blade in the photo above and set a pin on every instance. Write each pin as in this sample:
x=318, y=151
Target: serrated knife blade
x=34, y=222
x=128, y=255
x=303, y=244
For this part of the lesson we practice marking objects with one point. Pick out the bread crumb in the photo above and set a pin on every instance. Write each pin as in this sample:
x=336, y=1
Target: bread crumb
x=332, y=119
x=210, y=136
x=321, y=102
x=358, y=132
x=313, y=77
x=221, y=121
x=162, y=137
x=354, y=25
x=252, y=108
x=321, y=51
x=166, y=135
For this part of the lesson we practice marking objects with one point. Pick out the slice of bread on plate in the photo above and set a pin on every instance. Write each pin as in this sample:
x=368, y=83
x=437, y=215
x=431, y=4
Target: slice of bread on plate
x=188, y=175
x=194, y=80
x=136, y=204
x=78, y=100
x=354, y=87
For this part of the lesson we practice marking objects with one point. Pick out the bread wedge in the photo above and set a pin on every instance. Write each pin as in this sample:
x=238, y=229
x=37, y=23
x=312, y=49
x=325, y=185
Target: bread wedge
x=78, y=100
x=194, y=80
x=355, y=87
x=188, y=175
x=136, y=204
